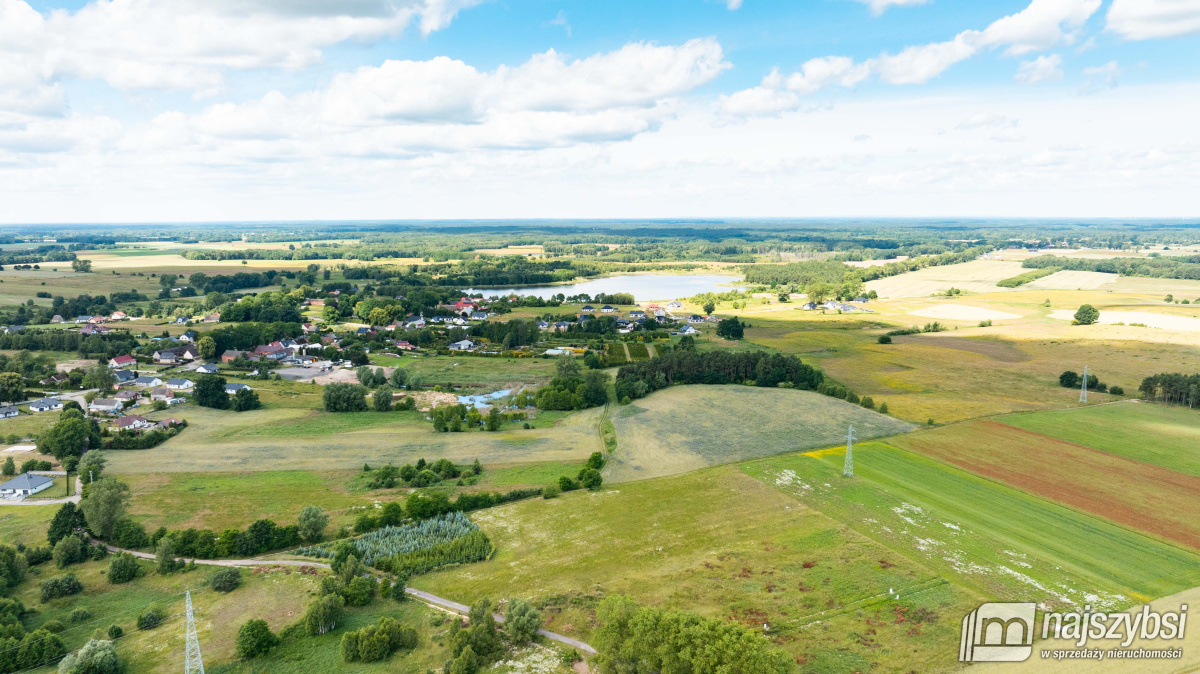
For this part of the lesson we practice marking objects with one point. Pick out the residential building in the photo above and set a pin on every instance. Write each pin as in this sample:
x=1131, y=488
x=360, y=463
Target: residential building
x=147, y=380
x=106, y=405
x=124, y=377
x=162, y=394
x=230, y=355
x=122, y=361
x=45, y=405
x=25, y=484
x=9, y=411
x=131, y=422
x=208, y=368
x=179, y=384
x=234, y=388
x=464, y=345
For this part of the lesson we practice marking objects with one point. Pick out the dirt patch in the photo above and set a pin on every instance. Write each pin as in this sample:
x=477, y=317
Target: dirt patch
x=427, y=400
x=1151, y=499
x=345, y=375
x=81, y=363
x=996, y=349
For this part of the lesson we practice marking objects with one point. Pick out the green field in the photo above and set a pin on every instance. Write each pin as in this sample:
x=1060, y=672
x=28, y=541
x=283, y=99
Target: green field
x=999, y=541
x=474, y=371
x=25, y=524
x=637, y=351
x=684, y=428
x=727, y=546
x=1163, y=435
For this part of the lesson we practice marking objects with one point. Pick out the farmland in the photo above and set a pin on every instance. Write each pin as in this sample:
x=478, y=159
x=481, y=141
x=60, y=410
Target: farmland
x=690, y=427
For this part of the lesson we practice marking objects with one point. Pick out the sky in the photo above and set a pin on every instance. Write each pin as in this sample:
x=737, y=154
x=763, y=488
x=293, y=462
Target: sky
x=211, y=110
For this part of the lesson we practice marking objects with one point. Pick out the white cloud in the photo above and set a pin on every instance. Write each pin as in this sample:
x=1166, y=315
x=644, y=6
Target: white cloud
x=880, y=6
x=189, y=44
x=1042, y=69
x=1147, y=19
x=561, y=20
x=1102, y=77
x=732, y=5
x=1037, y=27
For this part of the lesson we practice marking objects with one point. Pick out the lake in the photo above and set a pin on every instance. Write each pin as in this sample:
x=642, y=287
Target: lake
x=643, y=287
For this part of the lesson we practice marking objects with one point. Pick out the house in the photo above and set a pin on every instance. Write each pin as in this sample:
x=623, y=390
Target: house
x=561, y=326
x=809, y=306
x=584, y=318
x=587, y=309
x=106, y=405
x=122, y=361
x=93, y=329
x=316, y=303
x=478, y=316
x=130, y=422
x=124, y=377
x=230, y=355
x=208, y=368
x=829, y=304
x=268, y=349
x=674, y=304
x=8, y=412
x=189, y=336
x=689, y=330
x=543, y=325
x=464, y=345
x=54, y=380
x=607, y=309
x=166, y=357
x=83, y=319
x=25, y=484
x=148, y=380
x=659, y=313
x=308, y=328
x=169, y=422
x=176, y=354
x=214, y=317
x=178, y=384
x=45, y=405
x=97, y=319
x=414, y=322
x=405, y=346
x=127, y=396
x=234, y=388
x=162, y=394
x=695, y=318
x=363, y=331
x=119, y=316
x=637, y=313
x=56, y=319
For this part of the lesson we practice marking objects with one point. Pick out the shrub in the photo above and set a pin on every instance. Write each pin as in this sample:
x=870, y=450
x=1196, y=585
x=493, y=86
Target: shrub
x=867, y=402
x=153, y=617
x=62, y=586
x=123, y=568
x=883, y=408
x=1068, y=379
x=226, y=580
x=1115, y=390
x=1086, y=315
x=590, y=478
x=376, y=642
x=885, y=339
x=130, y=535
x=254, y=638
x=521, y=621
x=115, y=632
x=96, y=657
x=38, y=555
x=53, y=626
x=79, y=615
x=550, y=491
x=360, y=591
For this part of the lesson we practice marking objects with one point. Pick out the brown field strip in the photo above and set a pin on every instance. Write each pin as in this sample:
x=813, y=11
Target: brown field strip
x=1151, y=499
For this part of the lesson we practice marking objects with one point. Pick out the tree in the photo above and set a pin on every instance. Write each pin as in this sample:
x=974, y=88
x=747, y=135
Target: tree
x=818, y=292
x=244, y=400
x=10, y=466
x=210, y=392
x=596, y=460
x=68, y=551
x=226, y=580
x=381, y=399
x=254, y=638
x=398, y=377
x=12, y=387
x=91, y=465
x=709, y=307
x=492, y=423
x=81, y=266
x=1086, y=315
x=885, y=339
x=1068, y=379
x=70, y=436
x=730, y=328
x=312, y=522
x=65, y=522
x=344, y=398
x=590, y=478
x=566, y=367
x=521, y=621
x=100, y=377
x=104, y=505
x=123, y=568
x=208, y=347
x=96, y=657
x=323, y=614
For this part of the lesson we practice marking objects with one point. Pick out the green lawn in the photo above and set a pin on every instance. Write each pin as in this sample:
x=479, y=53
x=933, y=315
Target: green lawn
x=726, y=546
x=472, y=371
x=1164, y=435
x=1002, y=542
x=25, y=524
x=536, y=474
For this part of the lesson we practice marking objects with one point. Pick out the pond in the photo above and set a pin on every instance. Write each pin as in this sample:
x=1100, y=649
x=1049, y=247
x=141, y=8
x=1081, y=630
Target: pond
x=643, y=287
x=483, y=399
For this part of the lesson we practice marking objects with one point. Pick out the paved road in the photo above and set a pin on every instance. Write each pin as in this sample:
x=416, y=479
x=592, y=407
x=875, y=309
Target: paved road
x=419, y=594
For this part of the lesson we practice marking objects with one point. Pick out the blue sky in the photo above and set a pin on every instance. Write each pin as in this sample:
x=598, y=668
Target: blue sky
x=159, y=110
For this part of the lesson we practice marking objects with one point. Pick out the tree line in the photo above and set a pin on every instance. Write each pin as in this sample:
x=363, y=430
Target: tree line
x=715, y=367
x=1181, y=267
x=1173, y=388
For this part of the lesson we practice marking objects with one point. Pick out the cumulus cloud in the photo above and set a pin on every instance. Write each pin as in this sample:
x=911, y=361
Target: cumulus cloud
x=1147, y=19
x=1040, y=26
x=1041, y=69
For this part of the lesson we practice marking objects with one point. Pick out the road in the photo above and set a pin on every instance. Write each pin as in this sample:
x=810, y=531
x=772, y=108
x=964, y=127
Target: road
x=48, y=501
x=426, y=597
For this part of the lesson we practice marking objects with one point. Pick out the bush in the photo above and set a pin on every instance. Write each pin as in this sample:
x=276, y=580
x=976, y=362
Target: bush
x=123, y=568
x=130, y=535
x=1115, y=390
x=1087, y=315
x=38, y=555
x=115, y=632
x=226, y=580
x=245, y=400
x=360, y=591
x=60, y=587
x=79, y=615
x=153, y=617
x=344, y=398
x=885, y=339
x=589, y=478
x=551, y=491
x=254, y=638
x=521, y=621
x=68, y=551
x=1068, y=379
x=96, y=657
x=53, y=626
x=376, y=642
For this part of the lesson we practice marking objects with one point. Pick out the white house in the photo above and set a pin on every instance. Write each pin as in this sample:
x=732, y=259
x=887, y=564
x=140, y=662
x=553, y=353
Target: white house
x=234, y=388
x=689, y=330
x=178, y=384
x=607, y=309
x=9, y=412
x=45, y=405
x=25, y=484
x=208, y=368
x=464, y=345
x=675, y=304
x=147, y=380
x=162, y=394
x=106, y=405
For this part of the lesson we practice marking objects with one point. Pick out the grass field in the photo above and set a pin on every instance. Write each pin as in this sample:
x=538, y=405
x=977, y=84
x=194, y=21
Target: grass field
x=1143, y=496
x=1001, y=542
x=684, y=428
x=25, y=524
x=304, y=438
x=491, y=373
x=1163, y=435
x=724, y=545
x=975, y=276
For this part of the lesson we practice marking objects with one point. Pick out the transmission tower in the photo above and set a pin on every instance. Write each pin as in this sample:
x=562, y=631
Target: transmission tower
x=1083, y=389
x=848, y=471
x=193, y=664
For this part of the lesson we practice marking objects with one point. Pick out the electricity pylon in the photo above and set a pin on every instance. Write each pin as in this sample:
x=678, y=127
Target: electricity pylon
x=1083, y=389
x=848, y=471
x=193, y=664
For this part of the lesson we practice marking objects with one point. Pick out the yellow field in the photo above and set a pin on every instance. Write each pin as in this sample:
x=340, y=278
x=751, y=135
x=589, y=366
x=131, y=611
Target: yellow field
x=975, y=276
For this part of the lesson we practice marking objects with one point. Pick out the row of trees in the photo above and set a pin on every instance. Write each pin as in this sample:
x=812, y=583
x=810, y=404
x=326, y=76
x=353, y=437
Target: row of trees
x=1173, y=388
x=714, y=367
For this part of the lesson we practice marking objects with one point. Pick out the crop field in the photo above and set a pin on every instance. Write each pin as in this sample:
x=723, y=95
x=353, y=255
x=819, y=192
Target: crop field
x=978, y=276
x=726, y=546
x=999, y=541
x=637, y=351
x=1146, y=497
x=303, y=438
x=1163, y=435
x=685, y=428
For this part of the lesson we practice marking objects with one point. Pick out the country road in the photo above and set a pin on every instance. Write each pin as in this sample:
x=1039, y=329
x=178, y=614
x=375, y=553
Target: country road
x=426, y=597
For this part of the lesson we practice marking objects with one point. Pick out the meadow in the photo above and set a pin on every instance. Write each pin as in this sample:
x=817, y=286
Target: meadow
x=477, y=372
x=999, y=541
x=685, y=428
x=727, y=546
